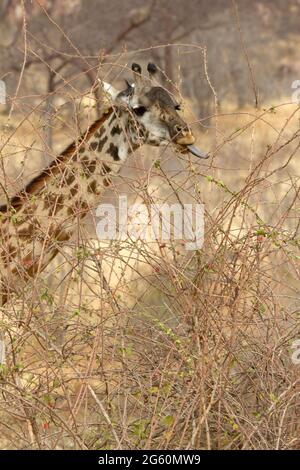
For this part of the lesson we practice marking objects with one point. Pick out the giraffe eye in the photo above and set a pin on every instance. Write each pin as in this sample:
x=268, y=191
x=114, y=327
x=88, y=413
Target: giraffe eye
x=177, y=107
x=140, y=110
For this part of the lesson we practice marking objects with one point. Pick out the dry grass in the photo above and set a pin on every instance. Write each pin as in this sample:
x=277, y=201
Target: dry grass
x=144, y=345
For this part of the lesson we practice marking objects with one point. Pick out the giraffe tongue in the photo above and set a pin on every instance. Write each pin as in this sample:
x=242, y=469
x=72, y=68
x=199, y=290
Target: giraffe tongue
x=198, y=153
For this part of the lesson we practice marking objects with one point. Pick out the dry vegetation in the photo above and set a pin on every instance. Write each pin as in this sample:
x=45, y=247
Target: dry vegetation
x=144, y=345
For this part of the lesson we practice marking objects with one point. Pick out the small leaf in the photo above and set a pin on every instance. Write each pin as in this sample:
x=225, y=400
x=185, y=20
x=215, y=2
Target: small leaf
x=168, y=420
x=273, y=397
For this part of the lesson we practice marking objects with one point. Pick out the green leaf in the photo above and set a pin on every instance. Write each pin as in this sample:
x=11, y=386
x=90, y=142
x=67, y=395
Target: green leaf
x=273, y=397
x=139, y=429
x=47, y=297
x=168, y=420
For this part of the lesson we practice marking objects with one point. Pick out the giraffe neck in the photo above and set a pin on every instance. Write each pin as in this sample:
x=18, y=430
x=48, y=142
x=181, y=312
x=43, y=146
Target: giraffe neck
x=105, y=145
x=114, y=141
x=45, y=213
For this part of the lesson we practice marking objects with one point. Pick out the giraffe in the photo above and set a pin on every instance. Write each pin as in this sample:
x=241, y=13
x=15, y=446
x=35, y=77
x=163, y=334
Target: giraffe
x=42, y=216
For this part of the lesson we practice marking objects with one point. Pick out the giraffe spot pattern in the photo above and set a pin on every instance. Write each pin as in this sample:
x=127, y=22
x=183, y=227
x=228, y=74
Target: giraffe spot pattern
x=107, y=181
x=25, y=231
x=70, y=179
x=94, y=145
x=88, y=166
x=101, y=143
x=70, y=211
x=116, y=130
x=100, y=133
x=39, y=207
x=112, y=118
x=113, y=151
x=74, y=190
x=105, y=169
x=92, y=166
x=92, y=186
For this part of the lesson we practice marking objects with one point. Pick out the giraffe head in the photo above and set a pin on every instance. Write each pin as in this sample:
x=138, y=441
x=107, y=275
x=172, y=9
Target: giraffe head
x=153, y=114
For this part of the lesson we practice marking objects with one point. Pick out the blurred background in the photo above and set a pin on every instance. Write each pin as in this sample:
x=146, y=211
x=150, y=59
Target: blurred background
x=98, y=29
x=220, y=58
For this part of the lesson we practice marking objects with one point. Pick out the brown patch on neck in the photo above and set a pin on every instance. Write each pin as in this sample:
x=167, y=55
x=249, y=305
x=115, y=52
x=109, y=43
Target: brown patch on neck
x=55, y=167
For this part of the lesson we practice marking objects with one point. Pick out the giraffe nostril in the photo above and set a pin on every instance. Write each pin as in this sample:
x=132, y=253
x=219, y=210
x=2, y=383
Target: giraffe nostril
x=184, y=135
x=180, y=130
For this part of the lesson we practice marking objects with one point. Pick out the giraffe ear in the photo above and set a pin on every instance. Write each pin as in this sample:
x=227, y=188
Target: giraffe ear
x=124, y=96
x=109, y=90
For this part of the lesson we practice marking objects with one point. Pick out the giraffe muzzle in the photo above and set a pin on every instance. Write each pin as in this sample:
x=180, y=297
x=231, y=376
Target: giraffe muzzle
x=185, y=138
